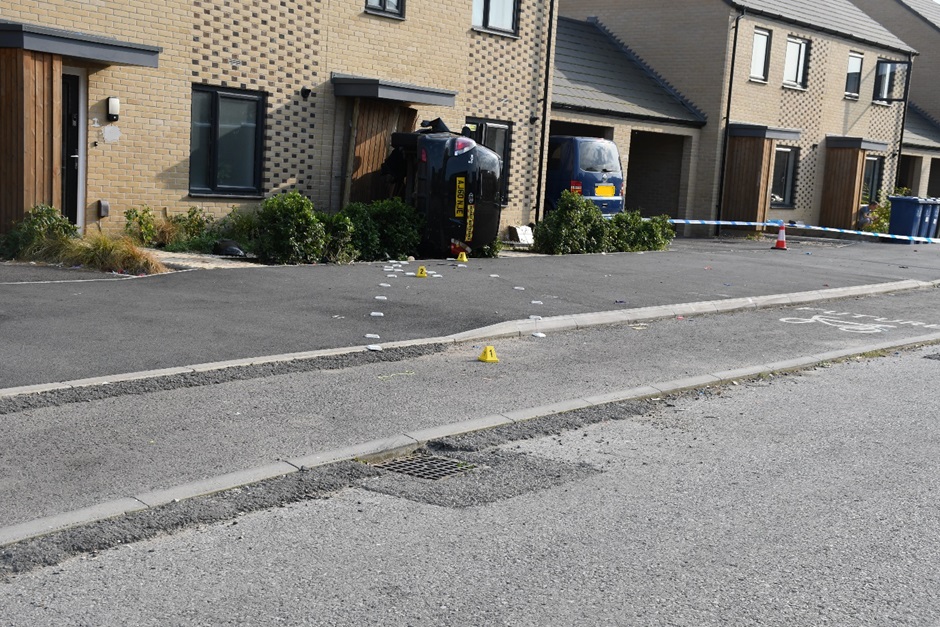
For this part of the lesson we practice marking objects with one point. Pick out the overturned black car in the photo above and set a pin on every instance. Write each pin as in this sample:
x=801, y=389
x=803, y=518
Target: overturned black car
x=452, y=181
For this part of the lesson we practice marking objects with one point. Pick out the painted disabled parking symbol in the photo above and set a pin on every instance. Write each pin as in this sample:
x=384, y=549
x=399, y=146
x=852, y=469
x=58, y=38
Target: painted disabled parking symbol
x=855, y=322
x=841, y=324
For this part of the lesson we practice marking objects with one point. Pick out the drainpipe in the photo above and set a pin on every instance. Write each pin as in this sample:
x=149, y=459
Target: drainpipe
x=724, y=145
x=539, y=196
x=907, y=95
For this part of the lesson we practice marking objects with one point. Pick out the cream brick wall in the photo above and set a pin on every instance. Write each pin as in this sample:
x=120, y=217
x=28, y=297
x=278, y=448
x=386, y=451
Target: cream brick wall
x=819, y=110
x=495, y=77
x=280, y=48
x=688, y=42
x=920, y=35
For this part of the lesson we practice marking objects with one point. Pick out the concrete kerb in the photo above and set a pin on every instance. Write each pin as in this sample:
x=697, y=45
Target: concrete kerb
x=410, y=441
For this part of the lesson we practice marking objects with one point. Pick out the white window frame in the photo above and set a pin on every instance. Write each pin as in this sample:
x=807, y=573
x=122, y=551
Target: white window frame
x=760, y=55
x=486, y=14
x=796, y=64
x=860, y=59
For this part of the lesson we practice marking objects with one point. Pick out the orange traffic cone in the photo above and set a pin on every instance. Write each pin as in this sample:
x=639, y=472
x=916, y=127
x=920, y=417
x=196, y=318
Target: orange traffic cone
x=781, y=238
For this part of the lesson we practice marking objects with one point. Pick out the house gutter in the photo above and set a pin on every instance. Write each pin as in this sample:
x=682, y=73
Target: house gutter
x=724, y=145
x=549, y=70
x=907, y=96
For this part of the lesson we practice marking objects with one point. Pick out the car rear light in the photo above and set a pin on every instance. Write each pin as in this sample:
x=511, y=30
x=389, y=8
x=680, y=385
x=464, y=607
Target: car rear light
x=576, y=187
x=623, y=188
x=424, y=156
x=462, y=145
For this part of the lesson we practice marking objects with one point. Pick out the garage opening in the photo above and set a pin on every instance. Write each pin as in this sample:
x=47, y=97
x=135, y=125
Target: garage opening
x=575, y=129
x=654, y=174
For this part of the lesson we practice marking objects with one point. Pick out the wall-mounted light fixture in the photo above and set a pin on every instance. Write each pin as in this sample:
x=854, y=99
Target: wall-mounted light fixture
x=114, y=109
x=305, y=92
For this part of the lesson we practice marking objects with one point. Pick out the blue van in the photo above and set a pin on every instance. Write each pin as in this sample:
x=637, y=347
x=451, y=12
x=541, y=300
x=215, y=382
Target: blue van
x=589, y=166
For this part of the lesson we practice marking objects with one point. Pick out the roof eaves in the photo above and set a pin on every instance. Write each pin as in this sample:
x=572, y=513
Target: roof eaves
x=822, y=29
x=653, y=74
x=633, y=116
x=924, y=114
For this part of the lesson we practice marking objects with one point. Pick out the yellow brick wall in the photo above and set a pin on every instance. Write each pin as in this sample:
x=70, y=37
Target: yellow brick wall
x=280, y=48
x=819, y=110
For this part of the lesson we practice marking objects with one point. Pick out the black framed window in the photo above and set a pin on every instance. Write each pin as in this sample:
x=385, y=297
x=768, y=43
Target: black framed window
x=497, y=136
x=498, y=15
x=783, y=182
x=885, y=72
x=872, y=180
x=226, y=141
x=853, y=76
x=394, y=8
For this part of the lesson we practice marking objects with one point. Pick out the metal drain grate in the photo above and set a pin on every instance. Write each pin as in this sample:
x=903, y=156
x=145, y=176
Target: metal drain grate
x=425, y=466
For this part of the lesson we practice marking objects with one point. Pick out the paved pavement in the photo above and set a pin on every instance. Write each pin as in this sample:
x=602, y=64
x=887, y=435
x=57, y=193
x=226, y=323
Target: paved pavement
x=143, y=444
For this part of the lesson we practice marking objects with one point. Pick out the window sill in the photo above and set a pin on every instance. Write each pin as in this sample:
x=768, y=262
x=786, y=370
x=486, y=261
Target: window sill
x=794, y=87
x=379, y=13
x=241, y=196
x=759, y=81
x=851, y=96
x=787, y=207
x=881, y=103
x=498, y=33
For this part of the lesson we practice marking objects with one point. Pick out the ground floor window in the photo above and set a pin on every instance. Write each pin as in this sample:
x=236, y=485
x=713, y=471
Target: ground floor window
x=497, y=136
x=871, y=183
x=226, y=141
x=783, y=181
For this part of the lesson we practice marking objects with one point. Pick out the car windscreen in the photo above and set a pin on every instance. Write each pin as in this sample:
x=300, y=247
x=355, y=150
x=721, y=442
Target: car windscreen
x=599, y=156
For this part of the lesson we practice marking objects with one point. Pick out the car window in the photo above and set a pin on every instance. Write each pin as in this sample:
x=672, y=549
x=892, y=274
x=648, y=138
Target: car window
x=599, y=157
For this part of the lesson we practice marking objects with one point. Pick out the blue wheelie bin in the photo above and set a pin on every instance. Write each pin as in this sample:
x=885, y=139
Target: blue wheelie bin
x=930, y=214
x=907, y=217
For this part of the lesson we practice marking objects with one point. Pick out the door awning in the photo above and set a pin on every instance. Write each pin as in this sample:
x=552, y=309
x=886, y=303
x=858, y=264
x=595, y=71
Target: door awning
x=77, y=45
x=858, y=143
x=738, y=129
x=362, y=87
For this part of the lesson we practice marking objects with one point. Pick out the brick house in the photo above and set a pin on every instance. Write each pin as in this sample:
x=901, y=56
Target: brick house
x=225, y=103
x=602, y=88
x=802, y=99
x=918, y=23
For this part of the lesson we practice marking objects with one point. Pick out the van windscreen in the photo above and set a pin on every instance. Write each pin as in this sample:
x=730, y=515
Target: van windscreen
x=599, y=156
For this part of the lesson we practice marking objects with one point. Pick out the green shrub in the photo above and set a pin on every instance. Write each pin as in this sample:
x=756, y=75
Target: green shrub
x=629, y=232
x=490, y=250
x=40, y=225
x=339, y=246
x=141, y=225
x=384, y=229
x=880, y=215
x=576, y=225
x=192, y=224
x=288, y=230
x=239, y=226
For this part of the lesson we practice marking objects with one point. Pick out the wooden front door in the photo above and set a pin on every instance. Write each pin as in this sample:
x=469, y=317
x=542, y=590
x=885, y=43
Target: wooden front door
x=374, y=125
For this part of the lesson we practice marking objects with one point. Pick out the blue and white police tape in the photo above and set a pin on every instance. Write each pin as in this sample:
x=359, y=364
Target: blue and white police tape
x=778, y=223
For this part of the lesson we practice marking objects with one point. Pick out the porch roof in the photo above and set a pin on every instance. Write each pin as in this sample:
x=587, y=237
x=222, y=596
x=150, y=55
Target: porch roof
x=365, y=87
x=77, y=45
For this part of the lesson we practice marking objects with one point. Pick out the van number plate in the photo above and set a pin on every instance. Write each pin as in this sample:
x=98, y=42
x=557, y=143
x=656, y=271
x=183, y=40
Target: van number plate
x=603, y=190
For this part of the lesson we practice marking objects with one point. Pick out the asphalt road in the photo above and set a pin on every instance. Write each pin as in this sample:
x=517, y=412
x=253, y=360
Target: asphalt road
x=59, y=324
x=798, y=500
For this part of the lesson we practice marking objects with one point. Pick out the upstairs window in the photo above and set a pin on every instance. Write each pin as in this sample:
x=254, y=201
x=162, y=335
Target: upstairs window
x=394, y=8
x=853, y=76
x=226, y=141
x=760, y=56
x=885, y=72
x=794, y=69
x=783, y=183
x=497, y=15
